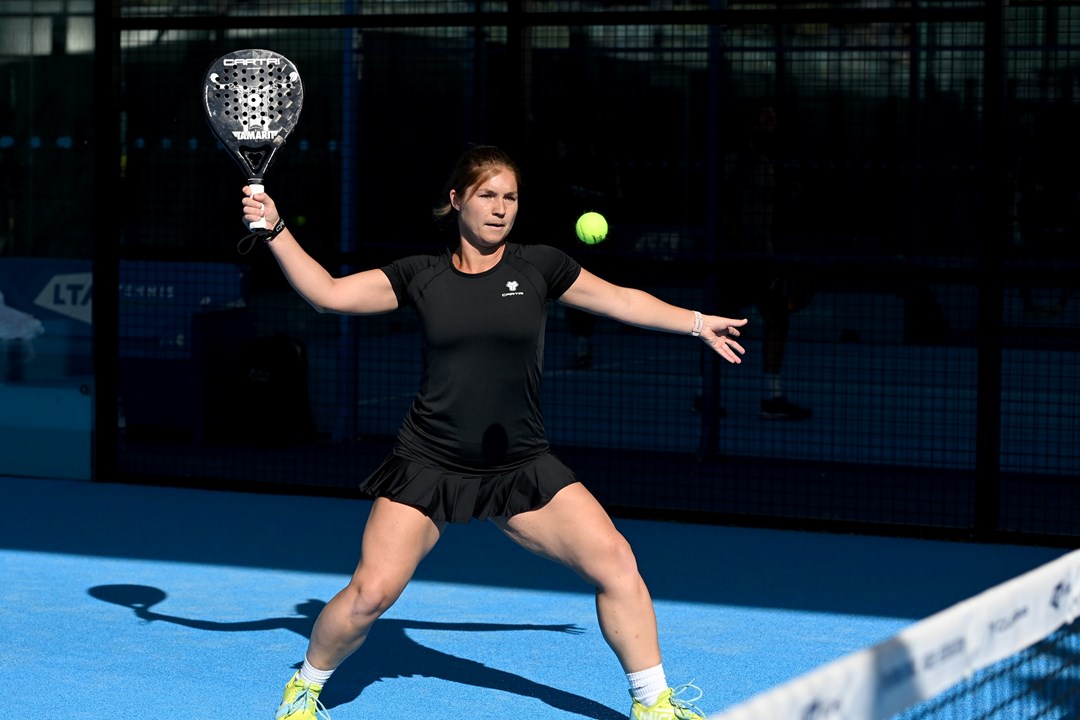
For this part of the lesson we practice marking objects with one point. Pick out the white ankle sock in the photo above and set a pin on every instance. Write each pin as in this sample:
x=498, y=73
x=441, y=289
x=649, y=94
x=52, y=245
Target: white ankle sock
x=312, y=674
x=646, y=685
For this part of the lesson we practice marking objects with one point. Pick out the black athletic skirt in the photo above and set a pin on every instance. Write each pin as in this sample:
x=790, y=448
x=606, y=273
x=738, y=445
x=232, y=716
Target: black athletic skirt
x=444, y=495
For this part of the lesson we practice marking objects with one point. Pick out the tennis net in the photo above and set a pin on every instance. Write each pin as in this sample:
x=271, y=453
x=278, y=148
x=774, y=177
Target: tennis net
x=1009, y=653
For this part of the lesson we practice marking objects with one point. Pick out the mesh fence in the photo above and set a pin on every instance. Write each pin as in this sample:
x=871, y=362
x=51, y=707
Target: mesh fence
x=884, y=188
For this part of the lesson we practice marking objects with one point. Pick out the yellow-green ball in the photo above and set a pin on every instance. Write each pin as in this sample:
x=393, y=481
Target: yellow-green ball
x=591, y=228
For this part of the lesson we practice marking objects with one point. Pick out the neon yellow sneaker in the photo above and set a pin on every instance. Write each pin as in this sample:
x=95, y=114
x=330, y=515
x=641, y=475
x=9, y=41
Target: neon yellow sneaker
x=670, y=706
x=301, y=701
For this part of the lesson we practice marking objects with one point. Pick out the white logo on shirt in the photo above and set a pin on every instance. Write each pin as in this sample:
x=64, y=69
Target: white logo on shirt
x=512, y=286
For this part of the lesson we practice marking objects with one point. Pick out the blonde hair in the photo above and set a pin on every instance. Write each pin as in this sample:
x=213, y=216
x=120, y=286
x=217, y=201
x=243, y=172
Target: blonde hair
x=476, y=165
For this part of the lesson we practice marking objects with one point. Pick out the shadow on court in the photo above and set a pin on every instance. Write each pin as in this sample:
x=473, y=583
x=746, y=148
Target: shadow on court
x=870, y=576
x=398, y=654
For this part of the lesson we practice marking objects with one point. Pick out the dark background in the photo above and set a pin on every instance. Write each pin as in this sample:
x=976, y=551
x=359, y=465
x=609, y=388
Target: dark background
x=924, y=216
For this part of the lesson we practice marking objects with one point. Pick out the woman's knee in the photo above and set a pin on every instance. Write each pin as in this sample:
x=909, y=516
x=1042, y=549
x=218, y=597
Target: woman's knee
x=613, y=564
x=371, y=596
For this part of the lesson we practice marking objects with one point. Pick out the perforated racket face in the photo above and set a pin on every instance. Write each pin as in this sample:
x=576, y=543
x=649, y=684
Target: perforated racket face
x=253, y=100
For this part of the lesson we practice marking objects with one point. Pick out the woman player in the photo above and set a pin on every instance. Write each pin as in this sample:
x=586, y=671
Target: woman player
x=473, y=443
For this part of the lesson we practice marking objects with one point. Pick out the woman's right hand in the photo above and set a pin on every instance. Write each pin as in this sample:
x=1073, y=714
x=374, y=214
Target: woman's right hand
x=259, y=206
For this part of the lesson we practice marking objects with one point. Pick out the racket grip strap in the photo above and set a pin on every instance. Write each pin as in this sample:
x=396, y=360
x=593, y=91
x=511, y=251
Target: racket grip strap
x=269, y=235
x=248, y=241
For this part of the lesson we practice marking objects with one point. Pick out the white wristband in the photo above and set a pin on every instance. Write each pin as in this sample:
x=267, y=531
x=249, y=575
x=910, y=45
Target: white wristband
x=697, y=324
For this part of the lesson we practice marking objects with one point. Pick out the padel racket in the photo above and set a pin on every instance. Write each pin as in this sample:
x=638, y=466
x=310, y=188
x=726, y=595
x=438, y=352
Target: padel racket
x=252, y=100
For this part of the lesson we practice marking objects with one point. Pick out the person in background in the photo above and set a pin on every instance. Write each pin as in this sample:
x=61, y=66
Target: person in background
x=750, y=212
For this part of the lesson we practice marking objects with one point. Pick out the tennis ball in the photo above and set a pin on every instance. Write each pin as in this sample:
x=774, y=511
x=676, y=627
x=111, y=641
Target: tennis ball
x=591, y=228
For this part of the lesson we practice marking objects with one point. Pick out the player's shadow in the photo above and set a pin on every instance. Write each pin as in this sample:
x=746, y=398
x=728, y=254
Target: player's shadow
x=398, y=654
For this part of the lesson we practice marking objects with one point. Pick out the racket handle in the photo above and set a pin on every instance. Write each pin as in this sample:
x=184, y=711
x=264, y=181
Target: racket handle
x=258, y=224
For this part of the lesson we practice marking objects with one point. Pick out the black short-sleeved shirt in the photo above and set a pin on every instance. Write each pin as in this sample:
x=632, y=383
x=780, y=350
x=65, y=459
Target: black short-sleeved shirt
x=478, y=406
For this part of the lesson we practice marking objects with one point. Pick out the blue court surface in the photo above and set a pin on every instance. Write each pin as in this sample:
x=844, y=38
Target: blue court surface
x=180, y=604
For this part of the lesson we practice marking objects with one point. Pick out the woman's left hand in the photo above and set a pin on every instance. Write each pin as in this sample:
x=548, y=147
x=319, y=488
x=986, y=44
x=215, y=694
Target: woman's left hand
x=719, y=333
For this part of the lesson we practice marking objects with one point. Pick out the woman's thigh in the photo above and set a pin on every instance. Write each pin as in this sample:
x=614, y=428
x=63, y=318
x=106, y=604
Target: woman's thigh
x=396, y=539
x=574, y=530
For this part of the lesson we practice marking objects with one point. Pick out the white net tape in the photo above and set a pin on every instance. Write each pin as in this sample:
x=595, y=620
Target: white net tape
x=932, y=655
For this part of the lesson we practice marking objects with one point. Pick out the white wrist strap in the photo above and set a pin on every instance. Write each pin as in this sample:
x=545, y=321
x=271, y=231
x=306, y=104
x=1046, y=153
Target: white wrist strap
x=697, y=324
